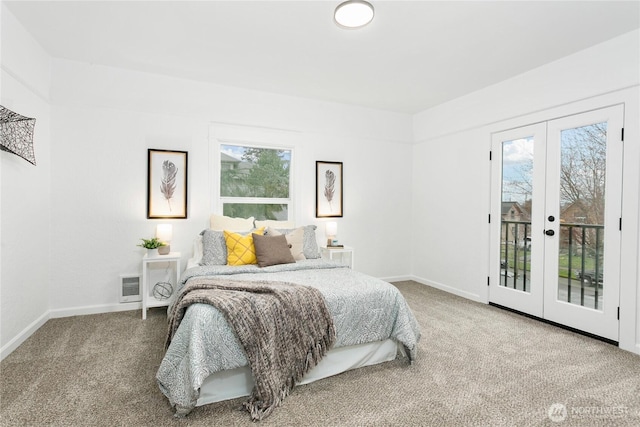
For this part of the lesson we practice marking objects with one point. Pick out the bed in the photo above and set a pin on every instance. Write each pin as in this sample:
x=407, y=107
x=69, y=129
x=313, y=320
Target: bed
x=205, y=362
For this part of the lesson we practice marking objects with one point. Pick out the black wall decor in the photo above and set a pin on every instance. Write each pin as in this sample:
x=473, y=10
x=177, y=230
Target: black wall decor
x=16, y=134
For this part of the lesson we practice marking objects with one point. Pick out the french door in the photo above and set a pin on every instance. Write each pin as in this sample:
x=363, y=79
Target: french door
x=555, y=220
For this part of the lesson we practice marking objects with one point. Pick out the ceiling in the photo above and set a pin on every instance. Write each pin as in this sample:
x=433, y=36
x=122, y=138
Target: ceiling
x=413, y=56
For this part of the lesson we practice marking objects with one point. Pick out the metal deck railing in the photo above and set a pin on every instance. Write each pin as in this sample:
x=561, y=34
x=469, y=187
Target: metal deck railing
x=580, y=263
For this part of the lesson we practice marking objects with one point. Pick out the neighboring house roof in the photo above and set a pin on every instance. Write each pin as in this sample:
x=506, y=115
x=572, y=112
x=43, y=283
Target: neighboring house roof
x=228, y=159
x=519, y=212
x=507, y=206
x=574, y=212
x=577, y=205
x=235, y=164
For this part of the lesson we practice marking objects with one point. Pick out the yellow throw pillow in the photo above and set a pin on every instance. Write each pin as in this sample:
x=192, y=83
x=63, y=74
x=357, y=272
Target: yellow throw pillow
x=240, y=247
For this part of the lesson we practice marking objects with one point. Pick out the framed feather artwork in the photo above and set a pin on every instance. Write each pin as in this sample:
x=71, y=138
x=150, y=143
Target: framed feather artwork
x=167, y=184
x=328, y=189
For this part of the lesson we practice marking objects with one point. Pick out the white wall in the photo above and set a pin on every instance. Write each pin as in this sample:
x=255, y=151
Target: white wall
x=25, y=191
x=600, y=69
x=105, y=119
x=451, y=165
x=86, y=197
x=85, y=201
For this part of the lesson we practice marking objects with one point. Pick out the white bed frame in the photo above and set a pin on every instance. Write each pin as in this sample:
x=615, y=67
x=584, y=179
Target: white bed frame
x=239, y=382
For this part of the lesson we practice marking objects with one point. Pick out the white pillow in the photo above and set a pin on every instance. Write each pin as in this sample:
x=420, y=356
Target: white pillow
x=274, y=224
x=221, y=223
x=295, y=239
x=309, y=243
x=197, y=248
x=196, y=257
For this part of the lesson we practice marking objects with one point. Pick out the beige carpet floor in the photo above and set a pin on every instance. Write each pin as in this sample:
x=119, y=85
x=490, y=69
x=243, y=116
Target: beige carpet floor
x=477, y=366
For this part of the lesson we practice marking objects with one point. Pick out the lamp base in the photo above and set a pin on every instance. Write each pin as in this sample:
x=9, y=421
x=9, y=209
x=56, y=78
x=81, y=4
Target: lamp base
x=164, y=250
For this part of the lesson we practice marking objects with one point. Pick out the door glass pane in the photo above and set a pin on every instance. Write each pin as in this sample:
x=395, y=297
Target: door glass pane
x=515, y=230
x=582, y=199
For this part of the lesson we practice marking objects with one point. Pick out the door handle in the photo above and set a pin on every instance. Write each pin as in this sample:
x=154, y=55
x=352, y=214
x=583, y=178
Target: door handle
x=549, y=232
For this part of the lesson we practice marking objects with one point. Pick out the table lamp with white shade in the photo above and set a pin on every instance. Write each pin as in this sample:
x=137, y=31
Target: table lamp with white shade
x=331, y=231
x=164, y=233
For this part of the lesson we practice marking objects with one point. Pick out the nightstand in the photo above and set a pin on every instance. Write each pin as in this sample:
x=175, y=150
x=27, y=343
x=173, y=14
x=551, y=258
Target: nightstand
x=163, y=268
x=344, y=255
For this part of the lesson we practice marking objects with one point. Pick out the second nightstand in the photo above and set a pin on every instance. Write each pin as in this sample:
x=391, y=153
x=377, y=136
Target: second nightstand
x=344, y=255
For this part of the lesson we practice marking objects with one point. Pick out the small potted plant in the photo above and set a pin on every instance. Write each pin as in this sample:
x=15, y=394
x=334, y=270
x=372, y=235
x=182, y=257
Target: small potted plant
x=151, y=245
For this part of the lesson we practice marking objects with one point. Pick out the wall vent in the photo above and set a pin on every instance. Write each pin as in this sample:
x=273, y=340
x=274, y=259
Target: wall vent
x=130, y=288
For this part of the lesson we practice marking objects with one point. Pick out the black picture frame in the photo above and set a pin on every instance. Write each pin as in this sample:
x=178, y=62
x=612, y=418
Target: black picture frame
x=329, y=186
x=167, y=175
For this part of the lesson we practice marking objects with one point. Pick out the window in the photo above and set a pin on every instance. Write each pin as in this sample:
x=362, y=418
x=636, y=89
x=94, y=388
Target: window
x=255, y=181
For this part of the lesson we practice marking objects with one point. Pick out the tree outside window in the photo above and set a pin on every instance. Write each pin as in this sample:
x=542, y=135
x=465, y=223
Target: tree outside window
x=255, y=181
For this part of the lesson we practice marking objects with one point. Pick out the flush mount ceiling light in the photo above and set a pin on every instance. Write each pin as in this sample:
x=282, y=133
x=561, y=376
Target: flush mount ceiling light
x=353, y=14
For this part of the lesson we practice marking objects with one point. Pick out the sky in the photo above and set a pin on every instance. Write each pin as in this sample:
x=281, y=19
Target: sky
x=517, y=158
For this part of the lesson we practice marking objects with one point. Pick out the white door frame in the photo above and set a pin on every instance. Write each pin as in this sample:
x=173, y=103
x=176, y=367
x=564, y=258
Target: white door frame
x=602, y=322
x=541, y=301
x=530, y=302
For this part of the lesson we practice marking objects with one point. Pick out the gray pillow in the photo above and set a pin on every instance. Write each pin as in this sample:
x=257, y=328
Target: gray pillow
x=272, y=250
x=309, y=243
x=214, y=248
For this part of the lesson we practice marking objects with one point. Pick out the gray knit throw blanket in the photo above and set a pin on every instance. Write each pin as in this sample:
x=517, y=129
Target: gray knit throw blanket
x=284, y=328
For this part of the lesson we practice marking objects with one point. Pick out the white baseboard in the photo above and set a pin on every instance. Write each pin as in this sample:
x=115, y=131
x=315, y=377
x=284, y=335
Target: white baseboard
x=396, y=278
x=449, y=289
x=94, y=309
x=8, y=348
